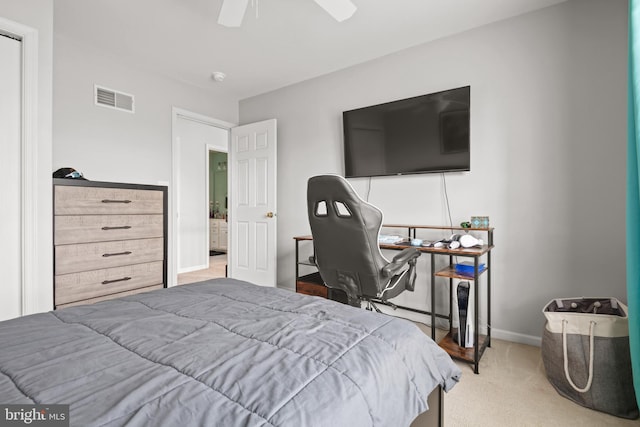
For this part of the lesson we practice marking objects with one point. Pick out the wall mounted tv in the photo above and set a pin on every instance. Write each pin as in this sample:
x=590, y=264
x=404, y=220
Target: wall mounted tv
x=423, y=134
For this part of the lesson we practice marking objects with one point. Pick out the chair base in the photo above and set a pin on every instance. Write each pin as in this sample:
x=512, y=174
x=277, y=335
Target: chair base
x=371, y=304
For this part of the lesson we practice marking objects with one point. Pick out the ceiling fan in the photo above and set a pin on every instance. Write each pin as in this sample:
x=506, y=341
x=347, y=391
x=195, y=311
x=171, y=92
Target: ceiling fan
x=232, y=11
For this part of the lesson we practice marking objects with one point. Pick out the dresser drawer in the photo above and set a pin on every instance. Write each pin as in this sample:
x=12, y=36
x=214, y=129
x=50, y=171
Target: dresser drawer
x=96, y=283
x=74, y=200
x=108, y=297
x=102, y=228
x=93, y=256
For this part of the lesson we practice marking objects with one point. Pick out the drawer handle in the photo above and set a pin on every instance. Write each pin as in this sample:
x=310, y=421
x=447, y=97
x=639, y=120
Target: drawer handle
x=107, y=282
x=116, y=254
x=124, y=227
x=116, y=201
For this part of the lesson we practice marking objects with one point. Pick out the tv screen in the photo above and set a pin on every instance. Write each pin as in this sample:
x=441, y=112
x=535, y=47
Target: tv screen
x=423, y=134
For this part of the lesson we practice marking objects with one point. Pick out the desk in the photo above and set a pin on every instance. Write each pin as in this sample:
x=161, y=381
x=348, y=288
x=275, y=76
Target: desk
x=481, y=342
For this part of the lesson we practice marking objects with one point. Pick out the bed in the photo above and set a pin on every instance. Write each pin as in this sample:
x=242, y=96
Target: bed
x=222, y=353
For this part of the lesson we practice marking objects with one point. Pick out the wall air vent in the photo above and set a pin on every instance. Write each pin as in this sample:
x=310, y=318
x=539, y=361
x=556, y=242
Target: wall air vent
x=113, y=99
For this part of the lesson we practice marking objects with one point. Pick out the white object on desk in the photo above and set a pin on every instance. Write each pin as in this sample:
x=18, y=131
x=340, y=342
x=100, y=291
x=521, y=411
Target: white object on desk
x=468, y=241
x=389, y=239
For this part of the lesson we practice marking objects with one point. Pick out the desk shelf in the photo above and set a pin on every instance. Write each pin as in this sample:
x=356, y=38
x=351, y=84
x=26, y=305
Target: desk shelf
x=474, y=354
x=451, y=273
x=466, y=354
x=313, y=285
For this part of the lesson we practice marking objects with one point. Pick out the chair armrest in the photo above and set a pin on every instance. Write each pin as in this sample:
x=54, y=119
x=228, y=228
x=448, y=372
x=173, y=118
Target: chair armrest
x=399, y=261
x=406, y=255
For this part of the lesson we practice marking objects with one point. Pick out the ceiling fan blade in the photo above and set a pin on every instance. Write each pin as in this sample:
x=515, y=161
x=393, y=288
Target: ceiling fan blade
x=339, y=9
x=232, y=12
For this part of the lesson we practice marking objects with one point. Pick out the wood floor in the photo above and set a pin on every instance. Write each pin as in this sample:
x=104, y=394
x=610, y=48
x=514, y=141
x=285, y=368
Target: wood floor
x=217, y=268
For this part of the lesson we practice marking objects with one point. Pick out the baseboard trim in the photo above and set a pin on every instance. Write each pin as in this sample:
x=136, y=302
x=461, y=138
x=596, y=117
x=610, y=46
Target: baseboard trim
x=193, y=268
x=516, y=337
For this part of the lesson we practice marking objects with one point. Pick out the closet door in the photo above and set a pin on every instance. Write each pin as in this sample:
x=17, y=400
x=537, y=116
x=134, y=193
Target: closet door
x=10, y=184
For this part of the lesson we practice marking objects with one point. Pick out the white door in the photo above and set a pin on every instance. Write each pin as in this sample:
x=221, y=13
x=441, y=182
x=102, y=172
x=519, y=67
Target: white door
x=10, y=187
x=252, y=215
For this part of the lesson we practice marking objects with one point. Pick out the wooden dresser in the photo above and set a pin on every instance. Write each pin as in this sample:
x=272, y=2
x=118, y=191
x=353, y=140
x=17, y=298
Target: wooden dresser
x=110, y=240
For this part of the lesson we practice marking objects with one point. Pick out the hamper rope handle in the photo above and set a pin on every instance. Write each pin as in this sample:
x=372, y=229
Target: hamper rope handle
x=566, y=359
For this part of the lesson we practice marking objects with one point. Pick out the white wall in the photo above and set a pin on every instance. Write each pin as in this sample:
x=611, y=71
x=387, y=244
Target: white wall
x=110, y=145
x=548, y=138
x=38, y=14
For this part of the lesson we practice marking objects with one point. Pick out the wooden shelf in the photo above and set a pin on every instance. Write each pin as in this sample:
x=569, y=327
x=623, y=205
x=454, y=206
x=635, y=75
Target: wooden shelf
x=451, y=273
x=463, y=353
x=311, y=284
x=466, y=252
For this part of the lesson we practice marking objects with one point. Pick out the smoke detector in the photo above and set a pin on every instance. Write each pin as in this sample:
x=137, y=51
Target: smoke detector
x=218, y=76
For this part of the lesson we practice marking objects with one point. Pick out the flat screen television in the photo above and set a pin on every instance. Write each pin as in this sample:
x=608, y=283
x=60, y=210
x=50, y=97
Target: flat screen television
x=423, y=134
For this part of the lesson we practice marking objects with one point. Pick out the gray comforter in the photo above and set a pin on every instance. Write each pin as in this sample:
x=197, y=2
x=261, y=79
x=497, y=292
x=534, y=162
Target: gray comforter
x=222, y=353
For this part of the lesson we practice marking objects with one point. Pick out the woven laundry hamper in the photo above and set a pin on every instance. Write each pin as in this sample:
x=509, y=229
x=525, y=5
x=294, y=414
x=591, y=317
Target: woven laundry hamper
x=585, y=351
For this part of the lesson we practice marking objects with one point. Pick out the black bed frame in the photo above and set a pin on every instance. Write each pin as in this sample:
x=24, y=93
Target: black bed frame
x=435, y=415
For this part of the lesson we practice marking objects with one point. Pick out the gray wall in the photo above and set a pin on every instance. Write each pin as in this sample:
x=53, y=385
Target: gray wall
x=548, y=140
x=38, y=14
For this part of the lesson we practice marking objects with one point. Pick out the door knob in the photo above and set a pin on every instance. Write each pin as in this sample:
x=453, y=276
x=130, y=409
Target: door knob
x=270, y=214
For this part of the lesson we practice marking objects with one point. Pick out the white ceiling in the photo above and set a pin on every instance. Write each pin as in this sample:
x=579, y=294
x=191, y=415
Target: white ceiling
x=280, y=42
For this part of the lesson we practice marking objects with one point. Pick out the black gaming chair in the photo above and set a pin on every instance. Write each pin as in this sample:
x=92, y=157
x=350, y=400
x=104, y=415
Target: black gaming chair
x=345, y=232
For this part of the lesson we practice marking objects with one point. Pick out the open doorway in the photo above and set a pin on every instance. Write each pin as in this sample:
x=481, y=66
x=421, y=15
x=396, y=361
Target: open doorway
x=217, y=231
x=200, y=199
x=251, y=201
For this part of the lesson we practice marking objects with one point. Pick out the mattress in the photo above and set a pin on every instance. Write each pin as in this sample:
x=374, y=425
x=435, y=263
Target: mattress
x=222, y=353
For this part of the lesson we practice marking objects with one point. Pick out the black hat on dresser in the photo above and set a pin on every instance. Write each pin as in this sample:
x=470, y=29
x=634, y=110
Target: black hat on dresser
x=69, y=173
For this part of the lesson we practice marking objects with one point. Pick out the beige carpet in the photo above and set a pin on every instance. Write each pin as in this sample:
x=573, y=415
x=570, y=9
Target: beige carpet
x=512, y=390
